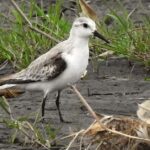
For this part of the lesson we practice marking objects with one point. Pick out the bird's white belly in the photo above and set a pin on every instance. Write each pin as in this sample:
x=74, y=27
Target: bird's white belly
x=75, y=69
x=76, y=65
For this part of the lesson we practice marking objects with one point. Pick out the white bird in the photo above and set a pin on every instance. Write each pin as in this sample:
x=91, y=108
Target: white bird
x=61, y=66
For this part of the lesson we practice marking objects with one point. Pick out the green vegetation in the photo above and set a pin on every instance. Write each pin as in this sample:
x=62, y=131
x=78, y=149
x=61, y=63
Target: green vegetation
x=127, y=38
x=20, y=44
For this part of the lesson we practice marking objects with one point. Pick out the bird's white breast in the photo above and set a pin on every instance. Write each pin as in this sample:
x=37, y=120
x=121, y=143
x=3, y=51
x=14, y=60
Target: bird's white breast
x=77, y=62
x=76, y=65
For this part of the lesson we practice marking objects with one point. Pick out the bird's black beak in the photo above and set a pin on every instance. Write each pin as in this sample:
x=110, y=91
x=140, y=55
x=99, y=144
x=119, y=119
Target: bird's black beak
x=96, y=34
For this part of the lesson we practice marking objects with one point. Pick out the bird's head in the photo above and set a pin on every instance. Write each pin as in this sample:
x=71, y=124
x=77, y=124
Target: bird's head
x=85, y=27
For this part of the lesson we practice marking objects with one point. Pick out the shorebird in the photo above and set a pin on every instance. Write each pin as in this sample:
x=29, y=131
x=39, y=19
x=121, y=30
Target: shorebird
x=61, y=66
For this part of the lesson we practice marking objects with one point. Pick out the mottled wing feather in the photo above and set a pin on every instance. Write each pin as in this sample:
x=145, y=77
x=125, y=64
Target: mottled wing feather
x=58, y=67
x=46, y=67
x=46, y=70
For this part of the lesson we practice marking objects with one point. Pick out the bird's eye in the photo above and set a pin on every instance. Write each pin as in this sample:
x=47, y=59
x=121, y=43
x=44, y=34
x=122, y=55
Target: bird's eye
x=85, y=25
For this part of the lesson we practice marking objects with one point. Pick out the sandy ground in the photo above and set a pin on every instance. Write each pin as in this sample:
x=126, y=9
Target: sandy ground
x=116, y=88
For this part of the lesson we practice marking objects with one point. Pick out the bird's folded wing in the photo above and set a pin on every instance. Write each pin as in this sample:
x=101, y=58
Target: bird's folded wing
x=42, y=69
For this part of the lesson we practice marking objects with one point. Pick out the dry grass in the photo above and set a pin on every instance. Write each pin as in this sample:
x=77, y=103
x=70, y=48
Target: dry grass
x=95, y=137
x=134, y=128
x=111, y=132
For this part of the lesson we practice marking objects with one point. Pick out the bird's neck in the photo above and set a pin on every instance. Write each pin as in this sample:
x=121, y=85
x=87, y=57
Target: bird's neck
x=79, y=42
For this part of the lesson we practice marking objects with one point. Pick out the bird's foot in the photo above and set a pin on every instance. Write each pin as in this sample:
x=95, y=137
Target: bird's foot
x=64, y=121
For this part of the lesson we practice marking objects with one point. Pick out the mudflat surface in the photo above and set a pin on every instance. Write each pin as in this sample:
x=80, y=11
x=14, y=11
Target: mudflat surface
x=115, y=88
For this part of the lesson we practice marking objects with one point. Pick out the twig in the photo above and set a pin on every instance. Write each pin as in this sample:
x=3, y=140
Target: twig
x=27, y=135
x=3, y=65
x=85, y=103
x=21, y=13
x=147, y=109
x=68, y=136
x=131, y=71
x=30, y=24
x=43, y=33
x=97, y=119
x=81, y=140
x=98, y=147
x=76, y=135
x=89, y=145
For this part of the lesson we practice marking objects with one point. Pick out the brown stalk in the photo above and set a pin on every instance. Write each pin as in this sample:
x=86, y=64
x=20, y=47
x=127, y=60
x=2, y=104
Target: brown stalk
x=30, y=24
x=91, y=111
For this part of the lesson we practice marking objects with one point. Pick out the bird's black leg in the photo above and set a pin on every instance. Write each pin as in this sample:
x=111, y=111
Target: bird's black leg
x=58, y=106
x=43, y=106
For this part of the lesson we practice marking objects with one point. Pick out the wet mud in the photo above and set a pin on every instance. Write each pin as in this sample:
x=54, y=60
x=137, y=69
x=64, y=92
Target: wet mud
x=115, y=89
